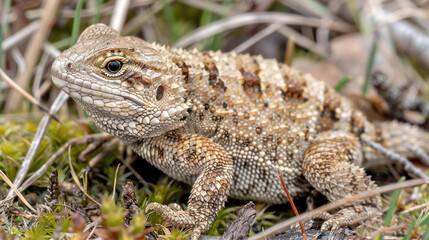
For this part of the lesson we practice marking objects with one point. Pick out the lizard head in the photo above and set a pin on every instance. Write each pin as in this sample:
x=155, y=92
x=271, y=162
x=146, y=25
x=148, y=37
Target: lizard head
x=128, y=88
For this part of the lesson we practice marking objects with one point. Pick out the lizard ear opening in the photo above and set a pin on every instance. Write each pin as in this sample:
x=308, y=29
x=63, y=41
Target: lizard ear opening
x=98, y=31
x=159, y=92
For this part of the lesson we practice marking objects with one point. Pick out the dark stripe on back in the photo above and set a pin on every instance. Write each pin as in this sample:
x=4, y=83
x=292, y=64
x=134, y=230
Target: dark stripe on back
x=182, y=65
x=251, y=82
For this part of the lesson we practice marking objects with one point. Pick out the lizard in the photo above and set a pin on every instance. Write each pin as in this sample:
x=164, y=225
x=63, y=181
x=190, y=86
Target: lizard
x=227, y=124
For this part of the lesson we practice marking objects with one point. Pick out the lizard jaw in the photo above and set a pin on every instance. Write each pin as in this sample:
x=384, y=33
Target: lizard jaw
x=68, y=87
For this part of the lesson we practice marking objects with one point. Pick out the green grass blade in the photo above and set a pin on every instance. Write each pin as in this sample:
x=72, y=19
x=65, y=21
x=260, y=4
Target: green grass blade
x=392, y=206
x=424, y=220
x=98, y=5
x=410, y=229
x=369, y=68
x=342, y=83
x=391, y=210
x=171, y=21
x=73, y=39
x=76, y=22
x=5, y=12
x=426, y=235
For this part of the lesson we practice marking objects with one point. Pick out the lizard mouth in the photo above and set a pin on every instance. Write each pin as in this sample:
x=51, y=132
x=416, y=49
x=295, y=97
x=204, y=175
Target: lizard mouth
x=77, y=91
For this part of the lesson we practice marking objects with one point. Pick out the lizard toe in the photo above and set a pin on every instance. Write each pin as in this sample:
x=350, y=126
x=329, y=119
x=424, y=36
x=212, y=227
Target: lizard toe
x=181, y=218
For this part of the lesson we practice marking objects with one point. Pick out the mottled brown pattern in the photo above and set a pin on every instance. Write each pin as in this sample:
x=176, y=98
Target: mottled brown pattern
x=182, y=65
x=228, y=123
x=251, y=82
x=214, y=80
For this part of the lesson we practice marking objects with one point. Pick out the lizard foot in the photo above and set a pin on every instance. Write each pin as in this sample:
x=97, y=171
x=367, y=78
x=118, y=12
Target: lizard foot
x=368, y=216
x=174, y=215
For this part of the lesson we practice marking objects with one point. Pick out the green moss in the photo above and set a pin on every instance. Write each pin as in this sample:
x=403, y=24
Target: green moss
x=44, y=228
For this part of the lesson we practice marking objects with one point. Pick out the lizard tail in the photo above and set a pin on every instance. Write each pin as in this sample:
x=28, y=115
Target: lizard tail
x=398, y=142
x=405, y=139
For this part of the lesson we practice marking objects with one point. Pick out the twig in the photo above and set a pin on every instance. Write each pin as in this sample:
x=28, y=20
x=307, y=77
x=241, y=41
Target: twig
x=137, y=175
x=258, y=18
x=35, y=144
x=95, y=145
x=420, y=154
x=408, y=166
x=108, y=148
x=347, y=200
x=30, y=98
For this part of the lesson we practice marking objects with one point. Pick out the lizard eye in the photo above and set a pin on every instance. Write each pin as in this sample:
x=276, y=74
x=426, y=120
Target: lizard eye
x=114, y=66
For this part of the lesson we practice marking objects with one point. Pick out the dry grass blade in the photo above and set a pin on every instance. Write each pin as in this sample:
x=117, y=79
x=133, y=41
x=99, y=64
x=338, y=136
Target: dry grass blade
x=32, y=53
x=328, y=207
x=22, y=34
x=35, y=144
x=119, y=15
x=30, y=98
x=137, y=22
x=256, y=38
x=7, y=180
x=258, y=18
x=400, y=15
x=114, y=182
x=411, y=41
x=210, y=6
x=302, y=41
x=415, y=208
x=78, y=184
x=290, y=49
x=106, y=10
x=93, y=230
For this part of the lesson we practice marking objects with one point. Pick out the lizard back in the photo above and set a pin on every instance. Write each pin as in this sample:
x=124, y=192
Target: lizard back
x=264, y=113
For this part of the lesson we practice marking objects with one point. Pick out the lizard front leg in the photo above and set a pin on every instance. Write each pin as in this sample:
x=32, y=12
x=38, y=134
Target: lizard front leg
x=197, y=159
x=331, y=165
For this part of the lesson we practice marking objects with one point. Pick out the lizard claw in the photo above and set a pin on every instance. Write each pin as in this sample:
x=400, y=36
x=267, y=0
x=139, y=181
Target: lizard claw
x=333, y=224
x=152, y=206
